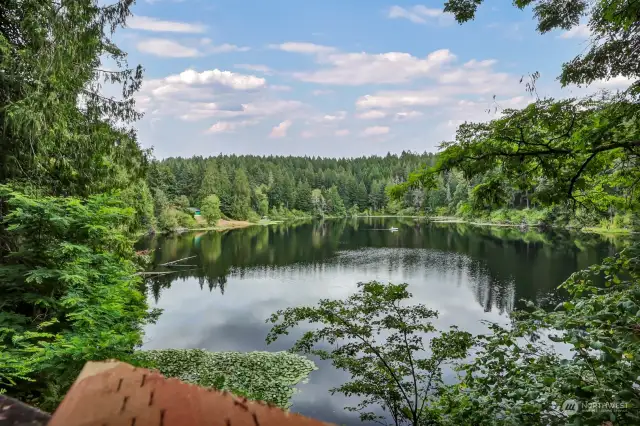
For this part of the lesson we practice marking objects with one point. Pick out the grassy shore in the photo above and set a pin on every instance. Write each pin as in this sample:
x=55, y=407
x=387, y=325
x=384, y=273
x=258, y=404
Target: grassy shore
x=592, y=230
x=229, y=224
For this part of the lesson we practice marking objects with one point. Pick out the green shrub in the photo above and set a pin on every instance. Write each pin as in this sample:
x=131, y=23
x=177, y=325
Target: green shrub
x=499, y=216
x=409, y=211
x=253, y=216
x=517, y=217
x=442, y=211
x=69, y=292
x=262, y=376
x=186, y=220
x=465, y=210
x=211, y=209
x=168, y=220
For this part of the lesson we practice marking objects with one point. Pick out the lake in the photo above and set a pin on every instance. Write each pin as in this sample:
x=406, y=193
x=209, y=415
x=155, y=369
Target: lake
x=239, y=278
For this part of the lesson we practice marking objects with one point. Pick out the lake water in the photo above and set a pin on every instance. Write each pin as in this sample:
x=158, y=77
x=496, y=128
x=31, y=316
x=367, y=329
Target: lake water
x=239, y=278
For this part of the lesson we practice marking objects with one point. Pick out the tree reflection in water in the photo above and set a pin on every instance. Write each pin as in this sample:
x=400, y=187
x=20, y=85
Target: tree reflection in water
x=503, y=265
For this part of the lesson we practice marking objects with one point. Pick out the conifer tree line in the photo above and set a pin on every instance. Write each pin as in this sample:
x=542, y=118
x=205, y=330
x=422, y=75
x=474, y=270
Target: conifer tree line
x=279, y=187
x=250, y=187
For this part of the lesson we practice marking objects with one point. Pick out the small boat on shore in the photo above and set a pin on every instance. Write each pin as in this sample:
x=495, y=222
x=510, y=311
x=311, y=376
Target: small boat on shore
x=393, y=229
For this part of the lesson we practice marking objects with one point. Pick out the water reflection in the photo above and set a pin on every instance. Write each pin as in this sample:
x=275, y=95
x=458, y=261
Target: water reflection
x=504, y=264
x=240, y=277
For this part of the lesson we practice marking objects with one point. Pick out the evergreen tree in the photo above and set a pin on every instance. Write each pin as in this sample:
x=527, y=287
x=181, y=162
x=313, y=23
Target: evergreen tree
x=335, y=205
x=260, y=200
x=211, y=209
x=241, y=205
x=361, y=196
x=210, y=182
x=224, y=191
x=303, y=198
x=318, y=202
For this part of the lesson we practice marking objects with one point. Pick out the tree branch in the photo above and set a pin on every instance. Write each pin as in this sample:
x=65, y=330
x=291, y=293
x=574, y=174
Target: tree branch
x=377, y=354
x=416, y=414
x=574, y=179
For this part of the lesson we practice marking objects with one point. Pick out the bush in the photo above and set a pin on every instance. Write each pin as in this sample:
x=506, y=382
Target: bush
x=442, y=211
x=211, y=209
x=168, y=220
x=409, y=211
x=69, y=292
x=253, y=216
x=186, y=220
x=262, y=376
x=465, y=210
x=499, y=216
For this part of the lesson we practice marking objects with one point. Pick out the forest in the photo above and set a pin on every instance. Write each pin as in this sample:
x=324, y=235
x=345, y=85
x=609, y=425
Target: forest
x=77, y=189
x=251, y=187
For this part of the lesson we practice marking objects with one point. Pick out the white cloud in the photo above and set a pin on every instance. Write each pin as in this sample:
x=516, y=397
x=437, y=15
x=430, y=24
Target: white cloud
x=280, y=131
x=375, y=131
x=201, y=110
x=166, y=48
x=342, y=132
x=147, y=23
x=172, y=49
x=332, y=118
x=193, y=95
x=256, y=68
x=615, y=83
x=298, y=47
x=398, y=99
x=579, y=31
x=420, y=14
x=307, y=134
x=225, y=48
x=472, y=79
x=407, y=115
x=456, y=113
x=353, y=69
x=224, y=78
x=229, y=126
x=374, y=114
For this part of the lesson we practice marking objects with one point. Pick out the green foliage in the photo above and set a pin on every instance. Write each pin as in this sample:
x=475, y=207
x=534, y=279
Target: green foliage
x=261, y=376
x=210, y=209
x=253, y=217
x=378, y=340
x=138, y=196
x=261, y=200
x=185, y=220
x=68, y=291
x=303, y=198
x=209, y=184
x=182, y=202
x=614, y=28
x=58, y=133
x=287, y=182
x=168, y=220
x=335, y=205
x=518, y=377
x=318, y=202
x=241, y=207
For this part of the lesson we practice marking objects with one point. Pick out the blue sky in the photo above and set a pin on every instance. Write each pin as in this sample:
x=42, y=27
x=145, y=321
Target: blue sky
x=332, y=77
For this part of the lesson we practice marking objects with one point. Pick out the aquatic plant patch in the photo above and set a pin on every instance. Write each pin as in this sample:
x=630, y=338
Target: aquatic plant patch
x=262, y=376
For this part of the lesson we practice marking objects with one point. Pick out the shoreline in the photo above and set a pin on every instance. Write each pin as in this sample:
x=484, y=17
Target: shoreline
x=228, y=225
x=586, y=229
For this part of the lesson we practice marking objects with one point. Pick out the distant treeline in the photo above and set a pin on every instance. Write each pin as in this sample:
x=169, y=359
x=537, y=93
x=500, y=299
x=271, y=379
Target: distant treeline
x=250, y=187
x=279, y=187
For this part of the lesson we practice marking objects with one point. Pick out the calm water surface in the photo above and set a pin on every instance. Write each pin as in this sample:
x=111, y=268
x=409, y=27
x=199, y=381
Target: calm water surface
x=239, y=278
